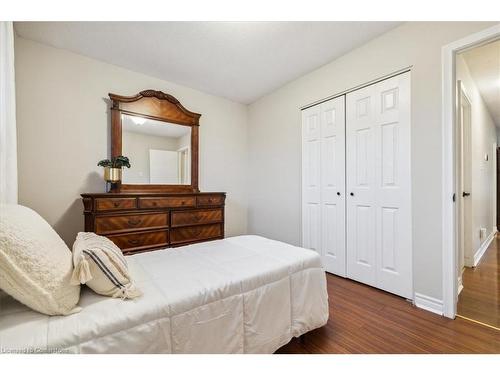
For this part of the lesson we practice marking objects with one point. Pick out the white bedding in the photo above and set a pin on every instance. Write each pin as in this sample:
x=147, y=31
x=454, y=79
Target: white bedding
x=244, y=294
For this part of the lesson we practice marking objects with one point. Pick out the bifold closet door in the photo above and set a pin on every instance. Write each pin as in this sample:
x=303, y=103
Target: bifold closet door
x=311, y=191
x=323, y=174
x=378, y=185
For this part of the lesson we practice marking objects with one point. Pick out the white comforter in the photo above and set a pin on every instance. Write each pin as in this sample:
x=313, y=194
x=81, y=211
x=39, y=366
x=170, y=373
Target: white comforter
x=243, y=294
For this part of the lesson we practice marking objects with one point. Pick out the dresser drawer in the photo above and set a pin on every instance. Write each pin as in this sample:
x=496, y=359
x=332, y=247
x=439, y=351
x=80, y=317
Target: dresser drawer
x=106, y=204
x=150, y=202
x=182, y=218
x=210, y=200
x=197, y=233
x=109, y=224
x=140, y=240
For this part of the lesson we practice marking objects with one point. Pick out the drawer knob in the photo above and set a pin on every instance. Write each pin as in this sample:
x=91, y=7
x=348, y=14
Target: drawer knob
x=155, y=203
x=134, y=222
x=116, y=204
x=134, y=242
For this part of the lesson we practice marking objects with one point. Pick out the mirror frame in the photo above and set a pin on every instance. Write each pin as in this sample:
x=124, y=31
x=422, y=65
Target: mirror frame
x=155, y=105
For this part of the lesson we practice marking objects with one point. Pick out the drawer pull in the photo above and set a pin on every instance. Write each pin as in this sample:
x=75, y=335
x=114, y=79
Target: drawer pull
x=196, y=232
x=155, y=203
x=116, y=204
x=134, y=222
x=134, y=241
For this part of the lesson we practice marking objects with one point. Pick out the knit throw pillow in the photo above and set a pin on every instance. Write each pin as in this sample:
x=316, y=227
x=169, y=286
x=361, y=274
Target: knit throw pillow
x=100, y=264
x=35, y=263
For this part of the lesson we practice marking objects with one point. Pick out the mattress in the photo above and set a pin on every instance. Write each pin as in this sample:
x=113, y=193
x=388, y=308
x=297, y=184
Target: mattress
x=245, y=294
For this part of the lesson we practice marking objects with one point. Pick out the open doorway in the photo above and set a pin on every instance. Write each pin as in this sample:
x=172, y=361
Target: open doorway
x=477, y=129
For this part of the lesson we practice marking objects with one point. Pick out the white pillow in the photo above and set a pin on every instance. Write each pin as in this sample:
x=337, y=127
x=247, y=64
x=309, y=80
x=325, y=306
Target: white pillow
x=100, y=264
x=35, y=263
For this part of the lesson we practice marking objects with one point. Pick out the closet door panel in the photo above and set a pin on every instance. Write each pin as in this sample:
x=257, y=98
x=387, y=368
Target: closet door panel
x=360, y=139
x=311, y=184
x=333, y=186
x=394, y=263
x=378, y=176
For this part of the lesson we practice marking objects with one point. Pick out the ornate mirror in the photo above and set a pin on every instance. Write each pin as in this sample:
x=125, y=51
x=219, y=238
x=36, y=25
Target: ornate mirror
x=160, y=137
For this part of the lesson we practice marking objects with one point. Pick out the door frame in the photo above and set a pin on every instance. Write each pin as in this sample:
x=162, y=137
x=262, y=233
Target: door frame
x=449, y=211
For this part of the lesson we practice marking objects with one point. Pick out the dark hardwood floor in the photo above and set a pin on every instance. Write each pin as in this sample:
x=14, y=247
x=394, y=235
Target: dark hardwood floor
x=368, y=320
x=480, y=298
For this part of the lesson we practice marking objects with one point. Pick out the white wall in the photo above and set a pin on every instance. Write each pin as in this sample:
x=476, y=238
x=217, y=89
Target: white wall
x=274, y=130
x=483, y=173
x=63, y=131
x=136, y=147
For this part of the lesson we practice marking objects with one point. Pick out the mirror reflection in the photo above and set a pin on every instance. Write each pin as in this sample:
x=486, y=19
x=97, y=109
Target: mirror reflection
x=159, y=152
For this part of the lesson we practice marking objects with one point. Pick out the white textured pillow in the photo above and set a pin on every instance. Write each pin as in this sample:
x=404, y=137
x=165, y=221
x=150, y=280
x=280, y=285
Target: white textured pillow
x=100, y=264
x=35, y=263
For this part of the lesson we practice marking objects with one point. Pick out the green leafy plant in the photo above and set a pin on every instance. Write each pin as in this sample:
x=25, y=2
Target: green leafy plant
x=116, y=162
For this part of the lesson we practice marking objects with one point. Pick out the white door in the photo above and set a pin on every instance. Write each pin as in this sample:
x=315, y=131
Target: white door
x=333, y=250
x=360, y=160
x=323, y=174
x=464, y=173
x=378, y=185
x=311, y=192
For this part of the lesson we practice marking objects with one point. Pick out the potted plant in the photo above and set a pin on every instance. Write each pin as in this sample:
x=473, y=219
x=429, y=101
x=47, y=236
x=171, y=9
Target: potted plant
x=113, y=168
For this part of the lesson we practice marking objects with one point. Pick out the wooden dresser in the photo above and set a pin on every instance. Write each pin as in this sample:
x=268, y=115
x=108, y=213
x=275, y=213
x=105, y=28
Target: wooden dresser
x=138, y=222
x=143, y=212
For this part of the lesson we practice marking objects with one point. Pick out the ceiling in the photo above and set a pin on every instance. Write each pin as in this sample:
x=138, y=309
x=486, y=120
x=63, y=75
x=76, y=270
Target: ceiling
x=484, y=67
x=142, y=125
x=241, y=61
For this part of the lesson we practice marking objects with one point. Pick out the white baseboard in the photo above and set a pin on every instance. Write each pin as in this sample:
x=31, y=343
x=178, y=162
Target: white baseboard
x=479, y=254
x=431, y=304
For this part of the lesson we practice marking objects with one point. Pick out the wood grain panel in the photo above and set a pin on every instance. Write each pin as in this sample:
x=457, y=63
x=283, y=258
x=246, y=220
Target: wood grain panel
x=197, y=233
x=210, y=200
x=109, y=224
x=105, y=204
x=158, y=105
x=193, y=217
x=140, y=240
x=149, y=202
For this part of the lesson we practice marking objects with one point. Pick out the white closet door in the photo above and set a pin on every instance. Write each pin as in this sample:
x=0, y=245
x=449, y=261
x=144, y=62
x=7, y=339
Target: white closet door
x=311, y=190
x=332, y=179
x=379, y=178
x=360, y=160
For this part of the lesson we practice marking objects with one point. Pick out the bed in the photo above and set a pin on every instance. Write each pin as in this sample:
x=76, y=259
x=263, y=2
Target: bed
x=245, y=294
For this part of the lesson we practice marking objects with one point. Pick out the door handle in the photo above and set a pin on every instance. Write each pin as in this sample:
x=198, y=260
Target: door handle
x=465, y=194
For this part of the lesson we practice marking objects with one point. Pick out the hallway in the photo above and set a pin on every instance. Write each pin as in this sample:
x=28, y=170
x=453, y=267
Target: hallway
x=480, y=298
